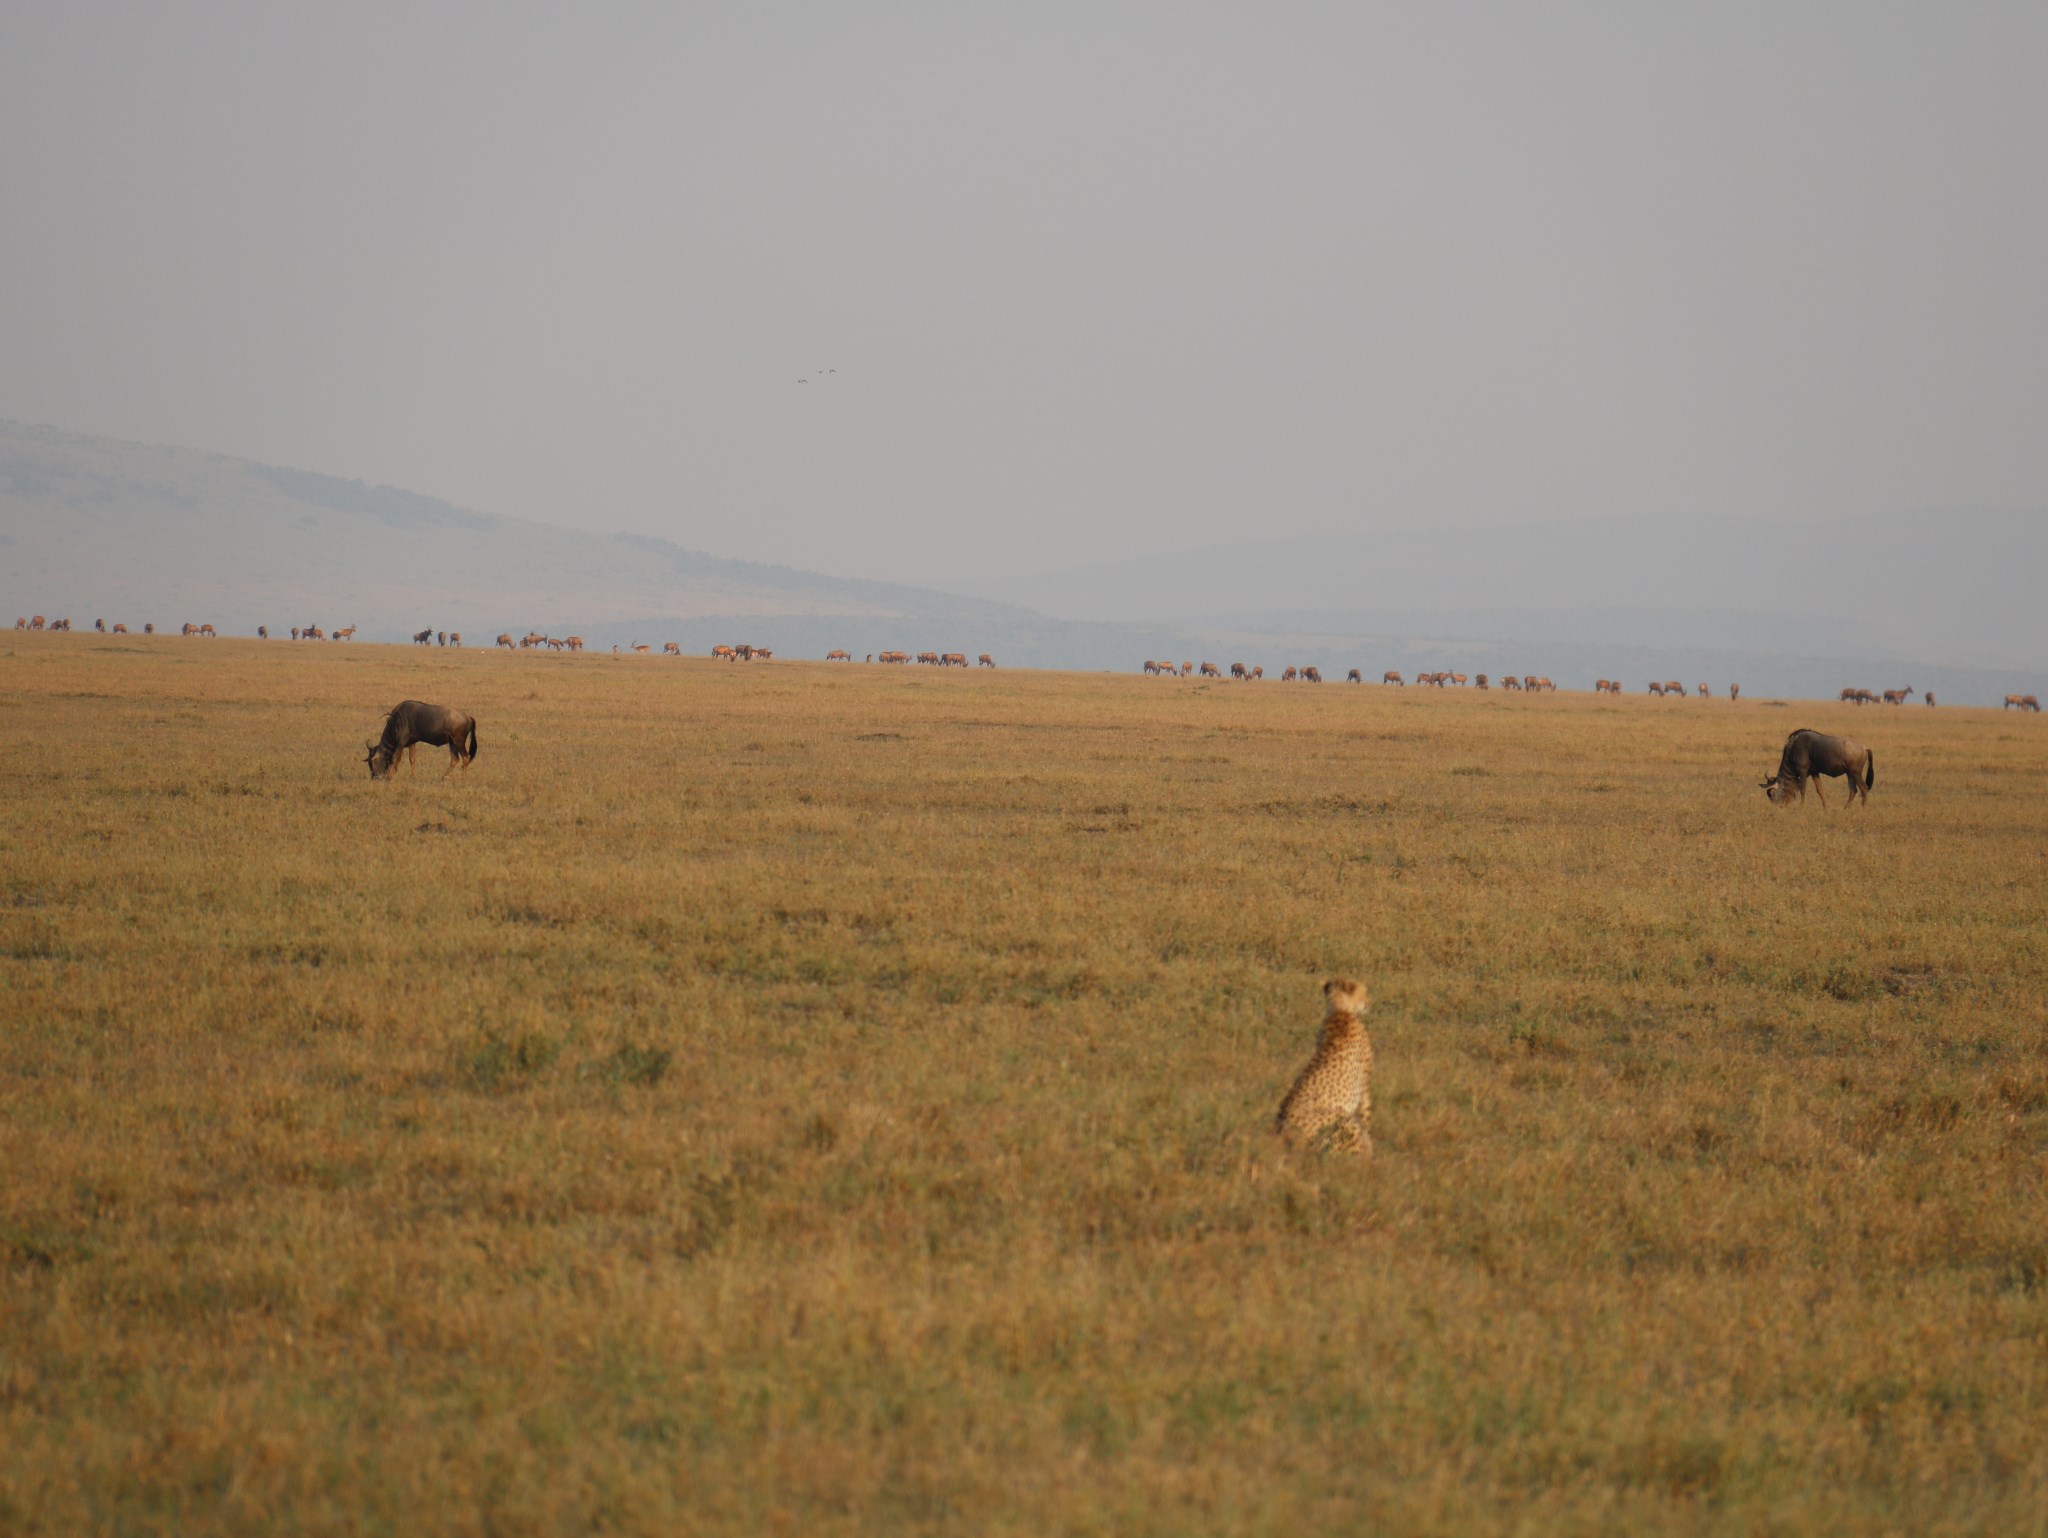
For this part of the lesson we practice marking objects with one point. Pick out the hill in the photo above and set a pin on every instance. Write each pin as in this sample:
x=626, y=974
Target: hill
x=96, y=527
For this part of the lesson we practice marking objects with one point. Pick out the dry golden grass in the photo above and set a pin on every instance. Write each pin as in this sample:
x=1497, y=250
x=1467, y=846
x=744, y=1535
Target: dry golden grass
x=837, y=1099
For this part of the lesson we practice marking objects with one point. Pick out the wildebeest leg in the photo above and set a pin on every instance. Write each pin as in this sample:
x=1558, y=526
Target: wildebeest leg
x=1819, y=792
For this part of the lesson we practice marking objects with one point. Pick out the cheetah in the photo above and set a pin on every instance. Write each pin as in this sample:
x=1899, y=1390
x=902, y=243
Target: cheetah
x=1331, y=1103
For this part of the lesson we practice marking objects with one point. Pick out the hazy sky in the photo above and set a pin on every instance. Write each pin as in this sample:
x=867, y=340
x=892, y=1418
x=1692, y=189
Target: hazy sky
x=1094, y=278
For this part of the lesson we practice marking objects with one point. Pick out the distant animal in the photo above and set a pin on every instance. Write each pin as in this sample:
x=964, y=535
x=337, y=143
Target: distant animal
x=1656, y=688
x=1312, y=675
x=1210, y=670
x=99, y=625
x=1705, y=693
x=1287, y=676
x=1509, y=681
x=21, y=622
x=949, y=660
x=1186, y=668
x=675, y=649
x=120, y=630
x=454, y=638
x=639, y=646
x=1807, y=755
x=1479, y=681
x=262, y=632
x=836, y=655
x=1735, y=691
x=1898, y=696
x=149, y=629
x=1258, y=671
x=726, y=652
x=1675, y=687
x=1391, y=677
x=1238, y=670
x=1928, y=696
x=412, y=722
x=440, y=638
x=1354, y=677
x=2021, y=702
x=984, y=661
x=423, y=638
x=505, y=640
x=762, y=654
x=343, y=635
x=1457, y=678
x=314, y=633
x=1330, y=1104
x=36, y=623
x=574, y=643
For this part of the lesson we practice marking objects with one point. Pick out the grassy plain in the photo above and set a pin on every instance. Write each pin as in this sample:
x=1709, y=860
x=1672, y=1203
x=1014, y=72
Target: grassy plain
x=835, y=1099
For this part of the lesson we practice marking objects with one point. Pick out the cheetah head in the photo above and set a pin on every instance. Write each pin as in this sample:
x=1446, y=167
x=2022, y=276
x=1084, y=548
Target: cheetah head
x=1347, y=997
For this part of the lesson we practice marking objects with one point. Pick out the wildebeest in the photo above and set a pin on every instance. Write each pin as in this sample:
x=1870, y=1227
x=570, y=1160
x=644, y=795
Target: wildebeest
x=1898, y=696
x=423, y=638
x=1808, y=755
x=1391, y=677
x=985, y=661
x=412, y=722
x=2021, y=702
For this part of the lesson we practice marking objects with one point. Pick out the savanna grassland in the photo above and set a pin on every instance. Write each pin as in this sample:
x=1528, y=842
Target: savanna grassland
x=836, y=1099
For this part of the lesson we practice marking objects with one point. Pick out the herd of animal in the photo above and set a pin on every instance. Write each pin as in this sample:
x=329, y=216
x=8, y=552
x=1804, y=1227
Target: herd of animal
x=1305, y=673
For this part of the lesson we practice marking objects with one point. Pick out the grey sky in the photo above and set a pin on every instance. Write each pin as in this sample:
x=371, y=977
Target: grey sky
x=1094, y=278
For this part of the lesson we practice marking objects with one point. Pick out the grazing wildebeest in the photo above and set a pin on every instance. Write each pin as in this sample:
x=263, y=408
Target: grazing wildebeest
x=984, y=661
x=1391, y=677
x=1480, y=680
x=2022, y=702
x=1808, y=755
x=675, y=649
x=505, y=640
x=1238, y=670
x=412, y=722
x=837, y=655
x=1210, y=670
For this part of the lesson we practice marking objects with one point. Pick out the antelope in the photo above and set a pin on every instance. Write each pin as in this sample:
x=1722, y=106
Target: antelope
x=836, y=655
x=1312, y=675
x=672, y=649
x=639, y=646
x=454, y=638
x=505, y=640
x=343, y=635
x=984, y=661
x=100, y=625
x=1210, y=670
x=1808, y=755
x=2021, y=702
x=1735, y=691
x=412, y=722
x=120, y=630
x=424, y=638
x=1287, y=676
x=1898, y=696
x=262, y=632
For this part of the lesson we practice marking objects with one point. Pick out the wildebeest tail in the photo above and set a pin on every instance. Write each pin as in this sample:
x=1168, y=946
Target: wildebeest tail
x=471, y=750
x=1869, y=768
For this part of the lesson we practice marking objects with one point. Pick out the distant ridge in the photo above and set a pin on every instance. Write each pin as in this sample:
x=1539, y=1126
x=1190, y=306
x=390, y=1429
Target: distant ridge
x=97, y=527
